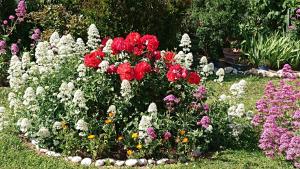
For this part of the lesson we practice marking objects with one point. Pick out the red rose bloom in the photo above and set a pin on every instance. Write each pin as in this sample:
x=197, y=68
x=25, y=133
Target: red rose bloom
x=169, y=57
x=132, y=40
x=93, y=59
x=112, y=69
x=141, y=69
x=125, y=71
x=194, y=78
x=103, y=42
x=117, y=45
x=176, y=72
x=151, y=42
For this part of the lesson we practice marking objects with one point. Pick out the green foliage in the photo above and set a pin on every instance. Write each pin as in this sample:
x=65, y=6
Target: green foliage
x=272, y=50
x=7, y=7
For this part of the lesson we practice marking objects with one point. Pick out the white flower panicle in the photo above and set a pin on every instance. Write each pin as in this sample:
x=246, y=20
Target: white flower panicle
x=104, y=65
x=25, y=60
x=65, y=91
x=81, y=69
x=15, y=73
x=185, y=42
x=203, y=61
x=126, y=89
x=57, y=125
x=29, y=97
x=43, y=132
x=223, y=97
x=40, y=91
x=180, y=58
x=107, y=48
x=81, y=125
x=188, y=60
x=145, y=123
x=238, y=89
x=41, y=52
x=80, y=46
x=65, y=45
x=79, y=99
x=152, y=109
x=54, y=39
x=237, y=110
x=220, y=73
x=24, y=124
x=93, y=37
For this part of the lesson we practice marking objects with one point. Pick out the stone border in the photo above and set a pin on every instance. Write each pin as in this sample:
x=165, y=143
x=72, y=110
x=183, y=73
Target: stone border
x=102, y=162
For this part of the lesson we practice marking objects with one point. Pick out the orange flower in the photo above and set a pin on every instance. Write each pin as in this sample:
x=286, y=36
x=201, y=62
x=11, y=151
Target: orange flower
x=91, y=136
x=120, y=138
x=129, y=152
x=182, y=132
x=185, y=140
x=111, y=114
x=108, y=121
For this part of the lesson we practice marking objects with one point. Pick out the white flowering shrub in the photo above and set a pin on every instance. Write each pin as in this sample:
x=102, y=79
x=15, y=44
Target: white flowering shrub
x=122, y=99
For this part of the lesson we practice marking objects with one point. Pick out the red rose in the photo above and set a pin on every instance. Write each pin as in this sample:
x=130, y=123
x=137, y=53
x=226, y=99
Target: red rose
x=176, y=72
x=169, y=57
x=117, y=45
x=103, y=42
x=132, y=40
x=93, y=59
x=151, y=42
x=194, y=78
x=112, y=69
x=141, y=69
x=138, y=50
x=125, y=71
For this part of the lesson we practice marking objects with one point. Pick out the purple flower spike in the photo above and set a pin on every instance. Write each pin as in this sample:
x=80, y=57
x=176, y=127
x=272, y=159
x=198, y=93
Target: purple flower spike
x=14, y=49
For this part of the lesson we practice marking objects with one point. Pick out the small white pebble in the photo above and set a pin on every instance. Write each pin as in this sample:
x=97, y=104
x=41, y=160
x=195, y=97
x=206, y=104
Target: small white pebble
x=99, y=163
x=131, y=162
x=119, y=163
x=76, y=159
x=86, y=162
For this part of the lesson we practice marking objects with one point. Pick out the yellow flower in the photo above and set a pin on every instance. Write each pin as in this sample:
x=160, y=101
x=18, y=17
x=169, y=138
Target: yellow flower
x=129, y=152
x=120, y=138
x=64, y=125
x=91, y=136
x=182, y=132
x=135, y=135
x=185, y=140
x=139, y=146
x=108, y=121
x=111, y=114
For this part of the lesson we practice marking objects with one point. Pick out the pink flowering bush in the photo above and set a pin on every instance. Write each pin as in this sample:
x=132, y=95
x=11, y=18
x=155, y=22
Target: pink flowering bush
x=278, y=118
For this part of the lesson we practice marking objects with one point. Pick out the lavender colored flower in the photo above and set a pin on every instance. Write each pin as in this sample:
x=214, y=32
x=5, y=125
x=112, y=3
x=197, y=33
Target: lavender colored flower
x=167, y=135
x=200, y=93
x=21, y=10
x=256, y=120
x=287, y=72
x=36, y=35
x=151, y=133
x=296, y=115
x=204, y=122
x=298, y=11
x=2, y=47
x=206, y=107
x=171, y=98
x=14, y=49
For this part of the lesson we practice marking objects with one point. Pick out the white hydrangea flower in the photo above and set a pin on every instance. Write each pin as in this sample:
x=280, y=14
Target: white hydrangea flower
x=107, y=48
x=24, y=124
x=188, y=60
x=25, y=60
x=93, y=37
x=40, y=91
x=43, y=132
x=180, y=58
x=126, y=89
x=104, y=65
x=57, y=125
x=185, y=42
x=80, y=46
x=79, y=99
x=54, y=39
x=81, y=125
x=203, y=61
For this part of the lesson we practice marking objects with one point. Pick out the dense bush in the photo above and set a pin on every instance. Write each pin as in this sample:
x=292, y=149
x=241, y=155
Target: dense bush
x=103, y=104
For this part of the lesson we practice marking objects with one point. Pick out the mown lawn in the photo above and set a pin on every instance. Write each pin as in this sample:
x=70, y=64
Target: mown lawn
x=16, y=155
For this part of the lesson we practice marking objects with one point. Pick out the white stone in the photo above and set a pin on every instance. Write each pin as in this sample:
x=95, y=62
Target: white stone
x=69, y=158
x=34, y=142
x=57, y=155
x=151, y=162
x=99, y=163
x=50, y=153
x=119, y=163
x=42, y=150
x=131, y=162
x=142, y=162
x=228, y=69
x=76, y=159
x=162, y=161
x=235, y=71
x=86, y=162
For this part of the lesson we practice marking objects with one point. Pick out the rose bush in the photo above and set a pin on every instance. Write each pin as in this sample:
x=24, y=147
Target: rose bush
x=123, y=99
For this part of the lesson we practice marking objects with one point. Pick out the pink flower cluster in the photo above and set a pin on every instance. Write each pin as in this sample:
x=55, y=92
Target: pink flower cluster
x=279, y=117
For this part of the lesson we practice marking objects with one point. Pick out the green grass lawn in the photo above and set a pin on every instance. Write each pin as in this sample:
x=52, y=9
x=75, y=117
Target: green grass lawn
x=14, y=154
